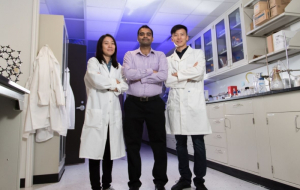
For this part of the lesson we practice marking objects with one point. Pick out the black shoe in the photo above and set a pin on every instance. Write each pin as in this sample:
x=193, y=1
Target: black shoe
x=181, y=184
x=201, y=187
x=159, y=187
x=134, y=188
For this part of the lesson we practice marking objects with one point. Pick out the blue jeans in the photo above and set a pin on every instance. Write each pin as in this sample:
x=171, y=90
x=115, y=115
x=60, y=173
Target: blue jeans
x=199, y=158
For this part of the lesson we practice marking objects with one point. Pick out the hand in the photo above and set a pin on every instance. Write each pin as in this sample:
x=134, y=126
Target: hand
x=154, y=71
x=195, y=64
x=175, y=74
x=189, y=80
x=118, y=82
x=98, y=72
x=136, y=80
x=116, y=90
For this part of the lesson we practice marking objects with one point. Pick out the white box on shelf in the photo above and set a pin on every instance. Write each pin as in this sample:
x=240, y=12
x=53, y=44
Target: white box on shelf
x=278, y=40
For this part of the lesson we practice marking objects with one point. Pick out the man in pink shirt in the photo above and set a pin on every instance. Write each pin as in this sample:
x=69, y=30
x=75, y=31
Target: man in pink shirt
x=145, y=70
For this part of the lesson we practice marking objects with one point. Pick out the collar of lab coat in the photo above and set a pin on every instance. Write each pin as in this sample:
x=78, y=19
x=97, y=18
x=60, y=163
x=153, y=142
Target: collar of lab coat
x=106, y=69
x=47, y=50
x=185, y=55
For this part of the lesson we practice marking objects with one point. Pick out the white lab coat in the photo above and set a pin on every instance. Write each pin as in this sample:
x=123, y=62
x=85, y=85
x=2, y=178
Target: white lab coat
x=70, y=101
x=103, y=109
x=186, y=109
x=46, y=102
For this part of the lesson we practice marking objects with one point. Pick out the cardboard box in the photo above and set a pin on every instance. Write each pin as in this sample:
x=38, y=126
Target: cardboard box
x=251, y=26
x=262, y=17
x=279, y=2
x=278, y=41
x=270, y=44
x=260, y=6
x=277, y=10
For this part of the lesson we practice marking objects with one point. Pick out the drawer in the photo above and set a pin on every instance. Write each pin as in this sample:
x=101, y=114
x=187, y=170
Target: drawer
x=216, y=153
x=217, y=125
x=239, y=107
x=285, y=102
x=215, y=110
x=216, y=139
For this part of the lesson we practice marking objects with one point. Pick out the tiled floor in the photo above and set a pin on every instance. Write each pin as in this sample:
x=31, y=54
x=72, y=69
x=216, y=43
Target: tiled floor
x=76, y=177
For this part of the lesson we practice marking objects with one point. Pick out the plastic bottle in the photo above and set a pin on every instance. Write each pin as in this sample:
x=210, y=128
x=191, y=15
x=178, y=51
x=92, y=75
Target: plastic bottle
x=261, y=85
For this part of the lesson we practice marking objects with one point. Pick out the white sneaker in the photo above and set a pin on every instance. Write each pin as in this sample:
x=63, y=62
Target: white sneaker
x=110, y=188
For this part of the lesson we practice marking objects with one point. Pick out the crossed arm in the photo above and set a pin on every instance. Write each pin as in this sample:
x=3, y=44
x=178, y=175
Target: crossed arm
x=145, y=75
x=194, y=73
x=101, y=82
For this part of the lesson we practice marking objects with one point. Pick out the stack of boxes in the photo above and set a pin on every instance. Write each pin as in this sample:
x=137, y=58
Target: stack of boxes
x=266, y=10
x=277, y=7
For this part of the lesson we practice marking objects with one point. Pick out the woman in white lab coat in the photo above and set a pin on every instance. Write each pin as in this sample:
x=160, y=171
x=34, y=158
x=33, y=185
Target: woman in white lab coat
x=102, y=133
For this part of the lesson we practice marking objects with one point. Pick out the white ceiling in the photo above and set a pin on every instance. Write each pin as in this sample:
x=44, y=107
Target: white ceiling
x=87, y=20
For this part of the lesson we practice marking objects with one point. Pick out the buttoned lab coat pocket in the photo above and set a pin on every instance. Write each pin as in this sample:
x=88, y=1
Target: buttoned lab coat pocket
x=194, y=98
x=93, y=118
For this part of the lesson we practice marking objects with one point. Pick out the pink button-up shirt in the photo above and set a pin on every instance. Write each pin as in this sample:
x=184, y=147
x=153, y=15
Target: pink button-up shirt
x=138, y=70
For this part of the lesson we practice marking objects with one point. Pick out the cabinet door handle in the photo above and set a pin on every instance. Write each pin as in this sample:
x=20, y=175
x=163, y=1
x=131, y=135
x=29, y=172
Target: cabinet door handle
x=297, y=129
x=216, y=107
x=217, y=121
x=237, y=105
x=219, y=136
x=225, y=123
x=219, y=151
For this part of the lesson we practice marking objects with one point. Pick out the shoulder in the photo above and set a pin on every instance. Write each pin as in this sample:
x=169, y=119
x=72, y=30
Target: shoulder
x=198, y=51
x=158, y=52
x=133, y=52
x=93, y=60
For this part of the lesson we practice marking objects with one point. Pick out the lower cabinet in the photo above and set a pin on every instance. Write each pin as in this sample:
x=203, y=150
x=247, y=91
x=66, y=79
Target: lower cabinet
x=216, y=153
x=284, y=132
x=241, y=141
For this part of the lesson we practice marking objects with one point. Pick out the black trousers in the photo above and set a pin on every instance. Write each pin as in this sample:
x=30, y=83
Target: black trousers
x=94, y=168
x=136, y=113
x=199, y=158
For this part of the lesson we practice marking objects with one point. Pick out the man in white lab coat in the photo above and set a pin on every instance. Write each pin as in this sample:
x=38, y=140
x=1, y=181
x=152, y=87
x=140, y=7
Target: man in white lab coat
x=186, y=109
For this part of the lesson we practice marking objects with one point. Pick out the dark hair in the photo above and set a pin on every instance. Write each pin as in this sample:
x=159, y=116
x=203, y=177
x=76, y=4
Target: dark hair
x=145, y=26
x=99, y=51
x=178, y=27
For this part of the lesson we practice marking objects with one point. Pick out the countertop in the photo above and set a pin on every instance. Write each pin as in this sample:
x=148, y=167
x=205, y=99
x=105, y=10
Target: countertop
x=13, y=86
x=255, y=95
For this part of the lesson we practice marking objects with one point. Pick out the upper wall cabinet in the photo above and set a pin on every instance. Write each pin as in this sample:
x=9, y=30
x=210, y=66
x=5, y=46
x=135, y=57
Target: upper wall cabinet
x=208, y=51
x=227, y=48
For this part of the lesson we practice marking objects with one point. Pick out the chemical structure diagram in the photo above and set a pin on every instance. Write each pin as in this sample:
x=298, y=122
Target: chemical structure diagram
x=11, y=57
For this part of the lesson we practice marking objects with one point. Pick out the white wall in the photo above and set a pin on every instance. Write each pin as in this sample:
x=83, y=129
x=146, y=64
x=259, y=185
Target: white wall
x=221, y=86
x=16, y=30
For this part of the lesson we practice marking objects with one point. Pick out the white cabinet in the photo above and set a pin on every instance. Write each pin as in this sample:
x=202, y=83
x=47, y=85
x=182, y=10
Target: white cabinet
x=241, y=141
x=216, y=153
x=52, y=31
x=215, y=143
x=226, y=47
x=285, y=145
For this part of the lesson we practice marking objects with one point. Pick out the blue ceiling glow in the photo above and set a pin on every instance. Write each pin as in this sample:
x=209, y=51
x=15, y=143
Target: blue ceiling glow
x=75, y=29
x=59, y=7
x=128, y=32
x=92, y=46
x=140, y=11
